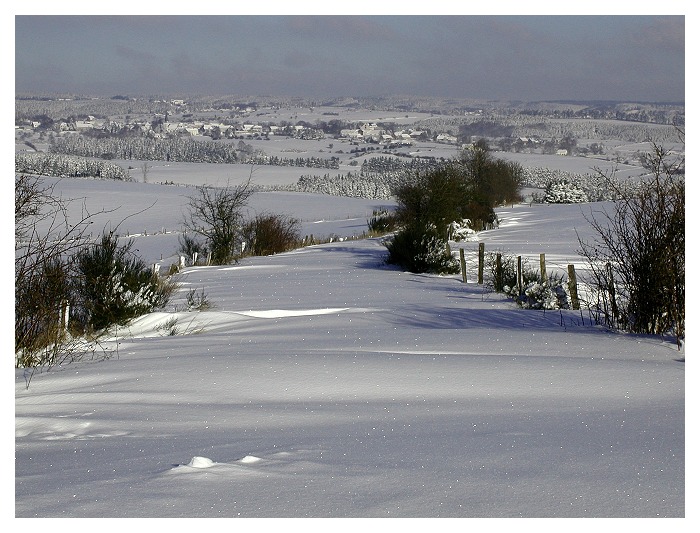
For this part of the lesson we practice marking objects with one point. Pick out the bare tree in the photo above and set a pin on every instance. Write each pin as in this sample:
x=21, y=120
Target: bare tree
x=32, y=198
x=637, y=255
x=217, y=215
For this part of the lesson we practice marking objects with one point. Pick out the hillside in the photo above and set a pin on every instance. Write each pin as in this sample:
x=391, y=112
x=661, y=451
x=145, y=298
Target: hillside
x=322, y=383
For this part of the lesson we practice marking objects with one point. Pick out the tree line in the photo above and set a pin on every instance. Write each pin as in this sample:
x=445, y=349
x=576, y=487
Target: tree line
x=59, y=165
x=175, y=149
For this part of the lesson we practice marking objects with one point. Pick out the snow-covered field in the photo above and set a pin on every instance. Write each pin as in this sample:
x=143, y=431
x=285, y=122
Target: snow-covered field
x=323, y=383
x=152, y=214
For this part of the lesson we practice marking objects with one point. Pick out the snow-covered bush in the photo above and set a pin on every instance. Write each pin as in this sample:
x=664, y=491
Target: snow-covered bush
x=461, y=231
x=537, y=294
x=114, y=286
x=197, y=300
x=564, y=192
x=502, y=271
x=560, y=186
x=40, y=296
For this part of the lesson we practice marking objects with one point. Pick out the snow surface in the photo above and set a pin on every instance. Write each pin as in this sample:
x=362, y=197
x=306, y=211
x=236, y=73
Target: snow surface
x=323, y=383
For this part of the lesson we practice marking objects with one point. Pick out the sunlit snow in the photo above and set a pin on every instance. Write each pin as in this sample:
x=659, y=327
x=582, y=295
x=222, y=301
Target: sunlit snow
x=324, y=383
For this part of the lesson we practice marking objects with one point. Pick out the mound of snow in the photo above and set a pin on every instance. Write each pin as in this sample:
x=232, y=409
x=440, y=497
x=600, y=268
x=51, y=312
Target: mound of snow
x=201, y=462
x=249, y=459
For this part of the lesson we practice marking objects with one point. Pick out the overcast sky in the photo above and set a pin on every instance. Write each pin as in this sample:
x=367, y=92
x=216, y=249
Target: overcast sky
x=640, y=58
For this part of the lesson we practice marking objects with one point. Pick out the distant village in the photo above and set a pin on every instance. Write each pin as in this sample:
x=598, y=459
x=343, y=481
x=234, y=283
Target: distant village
x=161, y=126
x=368, y=132
x=509, y=129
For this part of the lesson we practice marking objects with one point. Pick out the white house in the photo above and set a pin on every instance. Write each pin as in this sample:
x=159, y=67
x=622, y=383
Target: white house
x=351, y=134
x=445, y=138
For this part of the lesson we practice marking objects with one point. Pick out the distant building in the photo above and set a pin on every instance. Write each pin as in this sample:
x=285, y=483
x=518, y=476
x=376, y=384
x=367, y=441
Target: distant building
x=445, y=138
x=351, y=134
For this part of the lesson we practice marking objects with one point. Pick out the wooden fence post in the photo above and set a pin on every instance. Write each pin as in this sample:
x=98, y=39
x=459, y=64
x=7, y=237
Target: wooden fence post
x=498, y=282
x=463, y=264
x=481, y=263
x=573, y=289
x=520, y=275
x=543, y=269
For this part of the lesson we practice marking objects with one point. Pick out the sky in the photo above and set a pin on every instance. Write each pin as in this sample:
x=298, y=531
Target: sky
x=499, y=57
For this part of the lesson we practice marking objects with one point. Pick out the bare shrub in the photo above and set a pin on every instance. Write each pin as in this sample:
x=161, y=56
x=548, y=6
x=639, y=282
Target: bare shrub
x=197, y=300
x=269, y=234
x=41, y=300
x=189, y=246
x=169, y=327
x=637, y=255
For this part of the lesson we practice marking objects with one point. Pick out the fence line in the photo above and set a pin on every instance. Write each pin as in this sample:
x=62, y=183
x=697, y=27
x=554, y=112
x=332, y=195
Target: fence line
x=478, y=261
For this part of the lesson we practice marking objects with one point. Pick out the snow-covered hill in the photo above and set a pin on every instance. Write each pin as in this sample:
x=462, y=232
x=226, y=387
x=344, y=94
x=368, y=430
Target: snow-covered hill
x=323, y=383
